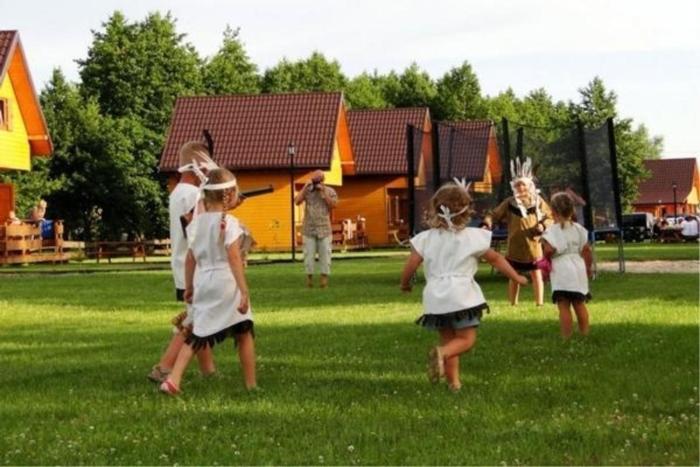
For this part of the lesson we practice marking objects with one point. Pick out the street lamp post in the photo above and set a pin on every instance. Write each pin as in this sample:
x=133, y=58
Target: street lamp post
x=291, y=151
x=675, y=206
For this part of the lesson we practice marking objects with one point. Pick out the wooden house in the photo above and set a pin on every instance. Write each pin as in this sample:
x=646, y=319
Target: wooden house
x=656, y=193
x=23, y=130
x=251, y=136
x=378, y=190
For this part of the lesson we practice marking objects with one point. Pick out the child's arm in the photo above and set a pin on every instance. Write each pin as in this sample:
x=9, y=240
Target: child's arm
x=190, y=264
x=497, y=260
x=409, y=270
x=587, y=255
x=548, y=249
x=235, y=262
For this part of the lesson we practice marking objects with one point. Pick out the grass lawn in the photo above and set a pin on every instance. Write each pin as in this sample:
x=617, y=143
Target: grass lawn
x=343, y=378
x=649, y=251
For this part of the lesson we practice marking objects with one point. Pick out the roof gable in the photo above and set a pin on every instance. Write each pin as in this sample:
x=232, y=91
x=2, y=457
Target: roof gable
x=379, y=138
x=663, y=174
x=254, y=131
x=14, y=64
x=464, y=148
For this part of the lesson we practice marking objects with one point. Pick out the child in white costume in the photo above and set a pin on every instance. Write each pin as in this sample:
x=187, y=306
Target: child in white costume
x=452, y=300
x=566, y=242
x=216, y=287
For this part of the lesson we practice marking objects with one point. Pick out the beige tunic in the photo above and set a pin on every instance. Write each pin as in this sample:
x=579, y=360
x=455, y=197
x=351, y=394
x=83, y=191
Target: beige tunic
x=523, y=239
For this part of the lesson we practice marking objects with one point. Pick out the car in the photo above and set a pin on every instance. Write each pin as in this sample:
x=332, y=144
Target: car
x=637, y=226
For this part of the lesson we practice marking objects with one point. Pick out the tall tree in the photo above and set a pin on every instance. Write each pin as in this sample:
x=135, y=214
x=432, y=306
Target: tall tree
x=459, y=95
x=364, y=92
x=415, y=88
x=316, y=73
x=230, y=71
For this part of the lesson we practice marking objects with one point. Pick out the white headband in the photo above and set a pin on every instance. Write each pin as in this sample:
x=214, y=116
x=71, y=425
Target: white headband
x=209, y=165
x=219, y=186
x=447, y=215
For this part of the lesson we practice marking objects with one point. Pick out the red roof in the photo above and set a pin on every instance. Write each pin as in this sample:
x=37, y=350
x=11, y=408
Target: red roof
x=254, y=131
x=464, y=148
x=663, y=174
x=379, y=138
x=7, y=42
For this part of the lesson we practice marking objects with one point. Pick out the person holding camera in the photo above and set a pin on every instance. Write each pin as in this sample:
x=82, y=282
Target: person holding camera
x=316, y=229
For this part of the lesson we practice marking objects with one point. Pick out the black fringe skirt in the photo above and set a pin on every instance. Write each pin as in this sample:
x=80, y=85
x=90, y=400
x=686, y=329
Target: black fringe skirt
x=199, y=343
x=453, y=319
x=570, y=296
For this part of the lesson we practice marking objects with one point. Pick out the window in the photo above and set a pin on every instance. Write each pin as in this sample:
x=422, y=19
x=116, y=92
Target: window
x=4, y=114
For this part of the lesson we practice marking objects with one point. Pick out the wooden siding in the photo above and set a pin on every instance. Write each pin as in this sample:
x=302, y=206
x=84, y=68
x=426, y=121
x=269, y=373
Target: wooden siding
x=14, y=146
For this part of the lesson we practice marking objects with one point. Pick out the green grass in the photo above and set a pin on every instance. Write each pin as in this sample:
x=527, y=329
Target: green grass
x=342, y=376
x=649, y=251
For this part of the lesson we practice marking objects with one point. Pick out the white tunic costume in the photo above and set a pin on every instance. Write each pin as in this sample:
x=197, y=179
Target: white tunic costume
x=568, y=268
x=181, y=201
x=450, y=261
x=216, y=294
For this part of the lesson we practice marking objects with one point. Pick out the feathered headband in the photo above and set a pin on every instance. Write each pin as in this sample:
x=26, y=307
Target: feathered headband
x=445, y=211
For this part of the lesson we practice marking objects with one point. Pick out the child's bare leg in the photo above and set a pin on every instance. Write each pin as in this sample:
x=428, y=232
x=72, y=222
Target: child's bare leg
x=537, y=286
x=462, y=342
x=246, y=355
x=205, y=357
x=452, y=363
x=167, y=360
x=183, y=359
x=582, y=317
x=513, y=292
x=565, y=323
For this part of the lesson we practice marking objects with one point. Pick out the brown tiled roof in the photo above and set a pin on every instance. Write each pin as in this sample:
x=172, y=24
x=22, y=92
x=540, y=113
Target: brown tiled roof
x=7, y=42
x=253, y=131
x=379, y=138
x=663, y=173
x=464, y=148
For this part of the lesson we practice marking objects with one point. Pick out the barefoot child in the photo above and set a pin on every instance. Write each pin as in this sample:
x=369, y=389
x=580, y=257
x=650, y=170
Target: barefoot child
x=215, y=282
x=567, y=243
x=182, y=202
x=452, y=300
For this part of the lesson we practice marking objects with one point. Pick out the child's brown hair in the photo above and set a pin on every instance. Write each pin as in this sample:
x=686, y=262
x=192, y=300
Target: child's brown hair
x=454, y=198
x=193, y=151
x=226, y=196
x=563, y=206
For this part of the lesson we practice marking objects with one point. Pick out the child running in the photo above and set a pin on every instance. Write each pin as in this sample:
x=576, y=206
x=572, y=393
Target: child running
x=215, y=282
x=452, y=300
x=566, y=242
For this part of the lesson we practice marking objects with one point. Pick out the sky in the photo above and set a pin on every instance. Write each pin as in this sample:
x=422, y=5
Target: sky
x=648, y=52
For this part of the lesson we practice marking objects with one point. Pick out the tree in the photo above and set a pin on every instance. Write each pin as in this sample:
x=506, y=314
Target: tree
x=458, y=95
x=415, y=88
x=316, y=73
x=365, y=92
x=230, y=71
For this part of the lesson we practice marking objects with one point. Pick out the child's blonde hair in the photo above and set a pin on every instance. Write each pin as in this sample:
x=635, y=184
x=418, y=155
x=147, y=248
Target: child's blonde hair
x=454, y=198
x=563, y=206
x=193, y=151
x=227, y=196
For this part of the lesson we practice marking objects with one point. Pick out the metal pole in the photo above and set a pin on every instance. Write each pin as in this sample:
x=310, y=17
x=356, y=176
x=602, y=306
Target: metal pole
x=410, y=161
x=675, y=207
x=436, y=156
x=506, y=160
x=291, y=150
x=616, y=190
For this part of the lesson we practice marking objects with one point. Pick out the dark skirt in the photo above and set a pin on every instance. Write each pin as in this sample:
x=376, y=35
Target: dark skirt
x=466, y=318
x=180, y=295
x=235, y=331
x=522, y=267
x=573, y=297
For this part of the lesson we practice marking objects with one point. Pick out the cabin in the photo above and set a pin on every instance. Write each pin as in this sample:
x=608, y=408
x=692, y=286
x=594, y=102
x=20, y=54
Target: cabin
x=673, y=187
x=252, y=135
x=23, y=130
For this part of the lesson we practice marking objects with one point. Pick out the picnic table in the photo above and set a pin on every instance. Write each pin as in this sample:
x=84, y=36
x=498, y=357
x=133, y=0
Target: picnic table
x=671, y=234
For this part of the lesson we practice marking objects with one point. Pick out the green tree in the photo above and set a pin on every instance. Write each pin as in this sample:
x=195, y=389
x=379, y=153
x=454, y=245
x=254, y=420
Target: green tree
x=458, y=95
x=365, y=92
x=316, y=73
x=32, y=186
x=415, y=88
x=230, y=71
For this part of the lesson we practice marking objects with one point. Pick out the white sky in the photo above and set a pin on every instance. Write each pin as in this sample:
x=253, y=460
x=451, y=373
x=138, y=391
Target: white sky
x=648, y=52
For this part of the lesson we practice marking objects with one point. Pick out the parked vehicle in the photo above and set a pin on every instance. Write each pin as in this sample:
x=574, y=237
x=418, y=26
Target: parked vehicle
x=637, y=227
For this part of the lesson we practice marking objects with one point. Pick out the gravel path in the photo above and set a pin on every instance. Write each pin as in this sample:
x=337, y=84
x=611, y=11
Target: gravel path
x=653, y=266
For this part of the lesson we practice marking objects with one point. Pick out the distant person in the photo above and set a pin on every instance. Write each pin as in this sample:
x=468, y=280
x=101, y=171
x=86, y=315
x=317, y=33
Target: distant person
x=566, y=242
x=452, y=300
x=690, y=228
x=12, y=219
x=318, y=234
x=39, y=211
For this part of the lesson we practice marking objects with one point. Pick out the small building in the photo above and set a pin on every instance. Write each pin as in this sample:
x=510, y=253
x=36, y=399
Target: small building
x=656, y=193
x=23, y=129
x=251, y=136
x=378, y=190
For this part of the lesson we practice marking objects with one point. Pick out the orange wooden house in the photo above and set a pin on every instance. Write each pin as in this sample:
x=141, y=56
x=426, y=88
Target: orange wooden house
x=378, y=191
x=656, y=193
x=251, y=136
x=23, y=130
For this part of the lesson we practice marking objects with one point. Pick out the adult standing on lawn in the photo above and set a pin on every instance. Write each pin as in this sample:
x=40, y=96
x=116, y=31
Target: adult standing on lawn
x=527, y=216
x=318, y=234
